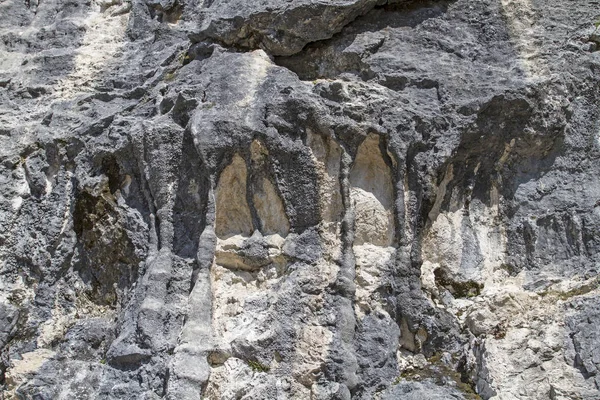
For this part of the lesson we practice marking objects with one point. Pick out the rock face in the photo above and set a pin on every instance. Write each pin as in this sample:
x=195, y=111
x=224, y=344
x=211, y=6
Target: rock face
x=344, y=199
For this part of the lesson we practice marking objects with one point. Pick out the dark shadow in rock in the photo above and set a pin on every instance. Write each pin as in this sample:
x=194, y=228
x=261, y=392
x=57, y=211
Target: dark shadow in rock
x=109, y=233
x=343, y=53
x=458, y=289
x=182, y=109
x=108, y=258
x=498, y=147
x=189, y=212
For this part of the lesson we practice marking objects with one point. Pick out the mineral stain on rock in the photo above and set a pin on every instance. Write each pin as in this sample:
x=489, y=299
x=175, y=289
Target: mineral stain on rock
x=346, y=199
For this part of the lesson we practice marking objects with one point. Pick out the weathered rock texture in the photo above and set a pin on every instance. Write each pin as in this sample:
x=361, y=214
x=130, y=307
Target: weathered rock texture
x=333, y=199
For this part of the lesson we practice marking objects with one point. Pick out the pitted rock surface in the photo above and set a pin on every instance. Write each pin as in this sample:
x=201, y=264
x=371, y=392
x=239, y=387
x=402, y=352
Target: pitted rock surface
x=345, y=199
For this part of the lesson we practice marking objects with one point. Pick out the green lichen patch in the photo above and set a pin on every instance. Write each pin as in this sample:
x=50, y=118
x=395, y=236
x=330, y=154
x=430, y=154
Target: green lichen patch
x=257, y=366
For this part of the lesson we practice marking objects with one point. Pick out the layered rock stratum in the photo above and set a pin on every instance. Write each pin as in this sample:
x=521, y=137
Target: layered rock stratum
x=299, y=199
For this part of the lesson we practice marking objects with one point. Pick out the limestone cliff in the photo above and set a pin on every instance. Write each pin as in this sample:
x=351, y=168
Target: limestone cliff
x=300, y=199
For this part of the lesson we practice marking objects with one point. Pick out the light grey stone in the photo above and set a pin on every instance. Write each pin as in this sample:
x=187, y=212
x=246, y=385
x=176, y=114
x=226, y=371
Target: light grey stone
x=346, y=199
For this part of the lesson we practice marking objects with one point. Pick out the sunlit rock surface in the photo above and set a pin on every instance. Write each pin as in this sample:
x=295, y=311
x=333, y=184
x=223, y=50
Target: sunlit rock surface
x=345, y=199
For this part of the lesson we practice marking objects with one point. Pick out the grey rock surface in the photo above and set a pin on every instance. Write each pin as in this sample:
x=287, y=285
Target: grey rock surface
x=345, y=199
x=418, y=391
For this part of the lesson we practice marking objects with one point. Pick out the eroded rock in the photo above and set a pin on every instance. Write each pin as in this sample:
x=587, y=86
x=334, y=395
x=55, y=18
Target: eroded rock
x=351, y=199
